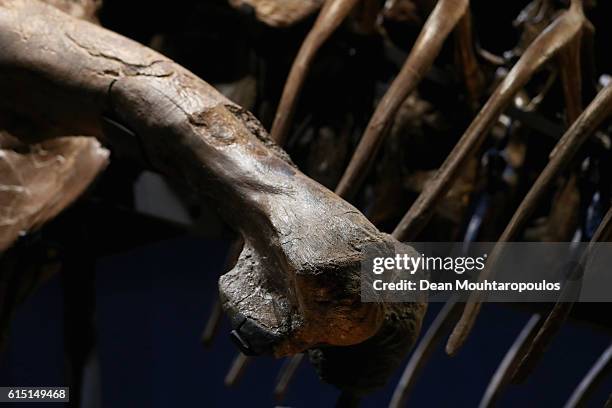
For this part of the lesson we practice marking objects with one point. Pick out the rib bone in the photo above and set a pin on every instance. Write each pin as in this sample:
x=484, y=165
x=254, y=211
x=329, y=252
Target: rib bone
x=442, y=20
x=565, y=150
x=331, y=16
x=560, y=311
x=548, y=44
x=39, y=181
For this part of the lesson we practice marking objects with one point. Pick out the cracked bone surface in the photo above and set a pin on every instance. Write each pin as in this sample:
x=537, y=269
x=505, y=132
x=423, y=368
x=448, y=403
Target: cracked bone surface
x=296, y=284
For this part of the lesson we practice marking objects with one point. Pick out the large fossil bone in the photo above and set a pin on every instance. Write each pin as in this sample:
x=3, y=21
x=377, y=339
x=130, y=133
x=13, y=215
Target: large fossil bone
x=296, y=284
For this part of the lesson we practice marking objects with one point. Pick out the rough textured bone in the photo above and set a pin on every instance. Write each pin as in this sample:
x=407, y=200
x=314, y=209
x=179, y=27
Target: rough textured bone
x=38, y=181
x=280, y=13
x=297, y=278
x=365, y=367
x=83, y=9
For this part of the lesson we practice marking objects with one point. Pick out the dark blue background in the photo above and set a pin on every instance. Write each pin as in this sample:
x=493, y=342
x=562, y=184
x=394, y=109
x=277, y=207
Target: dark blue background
x=151, y=307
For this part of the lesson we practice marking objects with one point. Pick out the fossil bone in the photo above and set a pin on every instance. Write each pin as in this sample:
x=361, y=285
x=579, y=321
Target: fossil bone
x=428, y=342
x=565, y=150
x=441, y=324
x=598, y=372
x=560, y=311
x=279, y=13
x=502, y=375
x=285, y=376
x=331, y=16
x=296, y=284
x=38, y=181
x=237, y=369
x=442, y=20
x=548, y=44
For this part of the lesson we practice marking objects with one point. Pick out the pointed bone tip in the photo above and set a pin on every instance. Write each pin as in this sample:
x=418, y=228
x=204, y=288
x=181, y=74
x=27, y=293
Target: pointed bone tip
x=456, y=340
x=451, y=347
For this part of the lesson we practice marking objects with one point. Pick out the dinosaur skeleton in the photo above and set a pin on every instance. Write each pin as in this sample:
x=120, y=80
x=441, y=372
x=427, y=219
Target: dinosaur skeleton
x=295, y=285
